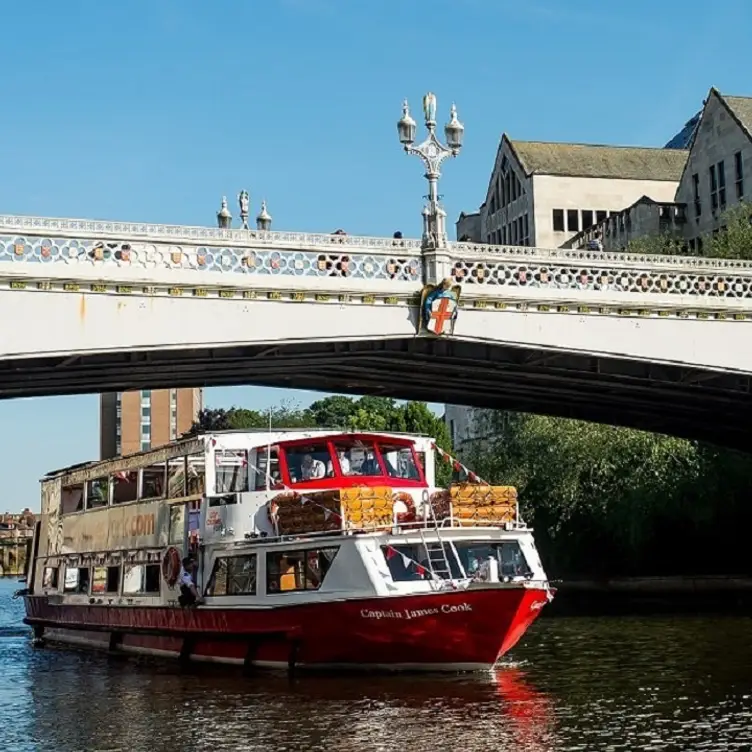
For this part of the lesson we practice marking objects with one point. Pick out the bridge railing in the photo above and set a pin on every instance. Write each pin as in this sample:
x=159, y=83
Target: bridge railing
x=210, y=235
x=121, y=250
x=579, y=274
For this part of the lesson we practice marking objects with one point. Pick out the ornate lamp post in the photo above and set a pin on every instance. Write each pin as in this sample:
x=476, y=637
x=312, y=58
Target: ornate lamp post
x=432, y=153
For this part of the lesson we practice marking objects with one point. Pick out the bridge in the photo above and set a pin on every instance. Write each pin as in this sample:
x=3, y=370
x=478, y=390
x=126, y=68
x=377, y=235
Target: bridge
x=655, y=342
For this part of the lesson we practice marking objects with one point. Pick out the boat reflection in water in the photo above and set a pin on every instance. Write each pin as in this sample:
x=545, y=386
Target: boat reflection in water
x=159, y=707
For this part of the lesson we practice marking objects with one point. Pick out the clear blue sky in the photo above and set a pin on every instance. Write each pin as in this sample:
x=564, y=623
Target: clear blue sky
x=151, y=110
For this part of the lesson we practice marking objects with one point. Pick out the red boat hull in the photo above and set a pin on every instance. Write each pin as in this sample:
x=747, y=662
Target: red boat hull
x=452, y=630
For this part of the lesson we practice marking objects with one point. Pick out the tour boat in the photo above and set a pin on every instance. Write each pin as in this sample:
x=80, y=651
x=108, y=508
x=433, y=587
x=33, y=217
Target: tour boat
x=310, y=549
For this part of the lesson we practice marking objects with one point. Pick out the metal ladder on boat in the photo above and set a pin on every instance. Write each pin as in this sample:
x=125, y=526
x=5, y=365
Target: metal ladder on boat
x=436, y=554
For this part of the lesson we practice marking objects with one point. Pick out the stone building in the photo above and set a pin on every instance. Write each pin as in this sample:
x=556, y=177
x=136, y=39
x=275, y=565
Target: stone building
x=718, y=172
x=16, y=531
x=717, y=175
x=542, y=194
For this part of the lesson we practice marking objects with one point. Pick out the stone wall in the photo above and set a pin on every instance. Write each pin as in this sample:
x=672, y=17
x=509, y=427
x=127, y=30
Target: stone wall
x=719, y=138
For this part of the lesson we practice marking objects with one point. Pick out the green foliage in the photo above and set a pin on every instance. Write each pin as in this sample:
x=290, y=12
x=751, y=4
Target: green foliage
x=613, y=501
x=365, y=414
x=734, y=241
x=660, y=244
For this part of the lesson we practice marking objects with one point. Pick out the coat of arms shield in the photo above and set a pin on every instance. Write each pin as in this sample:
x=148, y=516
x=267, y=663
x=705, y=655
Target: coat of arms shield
x=439, y=305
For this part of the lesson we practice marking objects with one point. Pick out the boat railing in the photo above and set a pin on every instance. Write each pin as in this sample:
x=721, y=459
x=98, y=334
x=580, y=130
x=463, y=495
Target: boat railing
x=418, y=526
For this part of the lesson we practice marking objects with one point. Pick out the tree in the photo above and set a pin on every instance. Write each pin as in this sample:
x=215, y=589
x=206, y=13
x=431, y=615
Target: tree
x=735, y=240
x=663, y=243
x=238, y=418
x=210, y=420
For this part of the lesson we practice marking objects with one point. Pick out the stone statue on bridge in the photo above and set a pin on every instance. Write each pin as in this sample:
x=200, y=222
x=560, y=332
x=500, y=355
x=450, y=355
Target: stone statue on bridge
x=244, y=202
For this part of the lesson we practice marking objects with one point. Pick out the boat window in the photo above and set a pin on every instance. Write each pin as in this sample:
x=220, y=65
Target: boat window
x=267, y=464
x=152, y=578
x=97, y=493
x=153, y=481
x=288, y=571
x=231, y=471
x=176, y=478
x=177, y=524
x=50, y=578
x=141, y=579
x=309, y=462
x=72, y=498
x=399, y=462
x=233, y=575
x=357, y=459
x=196, y=475
x=105, y=580
x=125, y=486
x=408, y=563
x=76, y=580
x=512, y=562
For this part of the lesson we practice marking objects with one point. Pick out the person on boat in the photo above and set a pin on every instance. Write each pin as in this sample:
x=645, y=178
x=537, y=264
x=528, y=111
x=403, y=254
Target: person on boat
x=344, y=463
x=310, y=469
x=188, y=592
x=489, y=569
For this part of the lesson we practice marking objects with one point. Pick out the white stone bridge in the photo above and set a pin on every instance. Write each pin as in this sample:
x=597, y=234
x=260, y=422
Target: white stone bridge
x=661, y=343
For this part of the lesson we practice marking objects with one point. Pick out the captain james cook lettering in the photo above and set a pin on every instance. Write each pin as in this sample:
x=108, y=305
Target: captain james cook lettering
x=409, y=613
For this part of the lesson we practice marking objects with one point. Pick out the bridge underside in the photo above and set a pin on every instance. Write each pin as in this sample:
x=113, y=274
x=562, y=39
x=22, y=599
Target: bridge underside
x=690, y=403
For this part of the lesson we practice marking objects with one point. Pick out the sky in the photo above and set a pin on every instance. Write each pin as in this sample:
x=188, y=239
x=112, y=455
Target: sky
x=152, y=110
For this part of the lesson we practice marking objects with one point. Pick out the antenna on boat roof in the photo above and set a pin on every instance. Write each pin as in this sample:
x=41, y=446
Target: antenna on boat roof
x=269, y=452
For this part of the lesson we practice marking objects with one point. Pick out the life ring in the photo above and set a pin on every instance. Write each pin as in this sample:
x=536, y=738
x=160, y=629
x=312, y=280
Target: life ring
x=403, y=508
x=171, y=565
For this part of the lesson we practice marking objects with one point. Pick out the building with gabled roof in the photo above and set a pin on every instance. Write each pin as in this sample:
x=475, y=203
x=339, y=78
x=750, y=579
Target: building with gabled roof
x=543, y=193
x=717, y=174
x=718, y=171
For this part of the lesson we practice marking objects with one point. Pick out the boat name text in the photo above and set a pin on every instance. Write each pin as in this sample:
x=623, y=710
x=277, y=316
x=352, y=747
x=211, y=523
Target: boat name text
x=415, y=613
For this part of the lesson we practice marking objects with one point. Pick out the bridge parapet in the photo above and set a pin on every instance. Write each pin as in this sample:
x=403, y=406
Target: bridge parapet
x=592, y=276
x=38, y=248
x=123, y=250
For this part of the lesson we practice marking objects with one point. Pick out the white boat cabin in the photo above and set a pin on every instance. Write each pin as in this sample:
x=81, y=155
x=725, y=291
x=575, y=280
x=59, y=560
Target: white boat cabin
x=272, y=518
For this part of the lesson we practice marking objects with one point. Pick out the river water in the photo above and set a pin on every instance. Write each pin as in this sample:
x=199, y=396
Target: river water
x=610, y=683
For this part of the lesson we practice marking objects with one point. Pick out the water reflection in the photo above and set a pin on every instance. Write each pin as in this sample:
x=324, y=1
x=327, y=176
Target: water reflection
x=575, y=684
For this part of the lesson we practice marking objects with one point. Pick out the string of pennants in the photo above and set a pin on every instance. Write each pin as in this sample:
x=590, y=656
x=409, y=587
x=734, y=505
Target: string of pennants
x=457, y=466
x=390, y=552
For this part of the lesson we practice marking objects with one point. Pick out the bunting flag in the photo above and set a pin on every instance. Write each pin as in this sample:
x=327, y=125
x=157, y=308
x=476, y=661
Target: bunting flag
x=390, y=552
x=458, y=467
x=328, y=513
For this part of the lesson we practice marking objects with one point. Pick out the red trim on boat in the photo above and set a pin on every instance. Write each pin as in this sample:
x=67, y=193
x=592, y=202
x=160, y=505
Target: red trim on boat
x=462, y=627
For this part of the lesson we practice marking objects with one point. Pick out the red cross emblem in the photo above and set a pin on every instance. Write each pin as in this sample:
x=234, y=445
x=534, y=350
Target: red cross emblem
x=442, y=312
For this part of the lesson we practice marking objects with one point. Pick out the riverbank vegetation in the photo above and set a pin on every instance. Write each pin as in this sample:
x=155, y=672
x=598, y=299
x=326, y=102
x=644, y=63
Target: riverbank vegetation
x=610, y=502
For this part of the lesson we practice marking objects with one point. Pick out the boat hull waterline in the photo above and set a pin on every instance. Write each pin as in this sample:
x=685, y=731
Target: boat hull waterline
x=451, y=630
